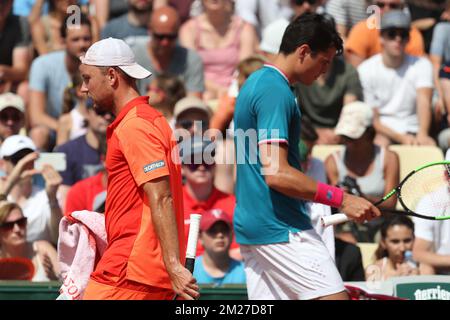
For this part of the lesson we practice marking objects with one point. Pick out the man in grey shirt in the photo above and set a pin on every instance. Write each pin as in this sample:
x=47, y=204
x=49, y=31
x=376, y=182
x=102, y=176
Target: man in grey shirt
x=131, y=26
x=163, y=55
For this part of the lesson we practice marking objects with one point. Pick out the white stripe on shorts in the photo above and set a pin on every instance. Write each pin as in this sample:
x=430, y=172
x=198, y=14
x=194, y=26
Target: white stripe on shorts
x=301, y=269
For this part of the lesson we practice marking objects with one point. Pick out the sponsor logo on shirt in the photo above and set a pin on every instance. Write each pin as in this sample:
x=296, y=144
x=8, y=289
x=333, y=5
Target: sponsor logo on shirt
x=154, y=166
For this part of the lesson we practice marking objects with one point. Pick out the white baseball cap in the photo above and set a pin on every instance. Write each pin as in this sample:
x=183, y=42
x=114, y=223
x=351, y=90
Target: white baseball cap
x=272, y=36
x=113, y=52
x=14, y=144
x=11, y=100
x=355, y=118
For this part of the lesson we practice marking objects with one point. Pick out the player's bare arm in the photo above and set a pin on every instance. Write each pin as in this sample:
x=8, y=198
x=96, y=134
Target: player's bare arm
x=161, y=205
x=291, y=182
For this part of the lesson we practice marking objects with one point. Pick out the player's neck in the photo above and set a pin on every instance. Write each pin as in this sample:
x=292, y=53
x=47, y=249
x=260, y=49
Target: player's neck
x=285, y=65
x=124, y=94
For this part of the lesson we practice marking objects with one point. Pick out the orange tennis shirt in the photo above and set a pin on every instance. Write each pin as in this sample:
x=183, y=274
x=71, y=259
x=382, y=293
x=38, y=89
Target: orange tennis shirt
x=140, y=149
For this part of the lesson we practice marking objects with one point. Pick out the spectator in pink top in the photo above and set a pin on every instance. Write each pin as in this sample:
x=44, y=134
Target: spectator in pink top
x=222, y=39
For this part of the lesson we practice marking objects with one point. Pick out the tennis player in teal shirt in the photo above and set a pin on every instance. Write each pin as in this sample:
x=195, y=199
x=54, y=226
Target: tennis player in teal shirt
x=284, y=257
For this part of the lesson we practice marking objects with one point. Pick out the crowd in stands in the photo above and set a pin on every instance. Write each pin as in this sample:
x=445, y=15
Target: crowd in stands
x=390, y=86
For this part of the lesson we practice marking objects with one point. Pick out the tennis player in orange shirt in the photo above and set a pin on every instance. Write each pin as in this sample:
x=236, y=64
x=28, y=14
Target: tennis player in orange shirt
x=144, y=207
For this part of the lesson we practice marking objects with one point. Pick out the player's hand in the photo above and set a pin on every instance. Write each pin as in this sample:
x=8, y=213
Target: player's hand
x=183, y=283
x=358, y=209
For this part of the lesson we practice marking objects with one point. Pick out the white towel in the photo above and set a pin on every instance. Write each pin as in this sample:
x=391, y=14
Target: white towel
x=82, y=241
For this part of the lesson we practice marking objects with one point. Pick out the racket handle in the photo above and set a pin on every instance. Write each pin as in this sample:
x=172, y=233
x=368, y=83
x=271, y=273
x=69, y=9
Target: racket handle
x=191, y=250
x=334, y=219
x=194, y=228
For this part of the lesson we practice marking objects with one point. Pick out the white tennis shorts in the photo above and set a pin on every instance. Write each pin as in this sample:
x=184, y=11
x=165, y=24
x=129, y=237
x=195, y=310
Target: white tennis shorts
x=301, y=269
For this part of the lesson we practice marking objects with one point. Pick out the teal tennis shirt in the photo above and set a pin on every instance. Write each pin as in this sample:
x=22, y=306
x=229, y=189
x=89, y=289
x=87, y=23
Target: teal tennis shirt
x=266, y=111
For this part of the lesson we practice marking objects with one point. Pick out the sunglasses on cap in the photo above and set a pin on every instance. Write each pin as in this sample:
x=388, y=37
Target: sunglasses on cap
x=392, y=33
x=162, y=36
x=187, y=124
x=390, y=5
x=10, y=115
x=7, y=226
x=194, y=166
x=300, y=2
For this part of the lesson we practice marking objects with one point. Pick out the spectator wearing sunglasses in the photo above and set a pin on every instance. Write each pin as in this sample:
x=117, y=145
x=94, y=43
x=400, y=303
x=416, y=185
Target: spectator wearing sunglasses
x=39, y=205
x=14, y=244
x=398, y=86
x=162, y=54
x=12, y=117
x=199, y=194
x=364, y=39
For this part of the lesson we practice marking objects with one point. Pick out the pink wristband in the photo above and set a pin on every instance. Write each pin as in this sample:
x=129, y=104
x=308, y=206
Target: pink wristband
x=328, y=195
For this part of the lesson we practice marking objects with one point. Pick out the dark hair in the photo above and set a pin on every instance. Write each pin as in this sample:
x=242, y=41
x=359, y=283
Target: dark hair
x=84, y=20
x=314, y=30
x=389, y=222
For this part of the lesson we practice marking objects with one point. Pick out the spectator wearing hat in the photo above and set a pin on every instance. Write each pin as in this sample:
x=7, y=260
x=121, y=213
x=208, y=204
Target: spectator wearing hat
x=432, y=245
x=215, y=266
x=40, y=206
x=364, y=39
x=199, y=193
x=398, y=86
x=191, y=114
x=362, y=167
x=12, y=115
x=162, y=53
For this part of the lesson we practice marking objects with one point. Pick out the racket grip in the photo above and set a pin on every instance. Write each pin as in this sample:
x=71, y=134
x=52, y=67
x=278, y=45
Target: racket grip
x=190, y=262
x=334, y=219
x=191, y=249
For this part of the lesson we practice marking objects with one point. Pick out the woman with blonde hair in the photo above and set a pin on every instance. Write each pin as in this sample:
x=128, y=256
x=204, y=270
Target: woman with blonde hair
x=13, y=244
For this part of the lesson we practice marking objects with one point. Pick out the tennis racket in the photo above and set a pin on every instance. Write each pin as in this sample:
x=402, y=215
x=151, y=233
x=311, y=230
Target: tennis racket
x=423, y=193
x=191, y=249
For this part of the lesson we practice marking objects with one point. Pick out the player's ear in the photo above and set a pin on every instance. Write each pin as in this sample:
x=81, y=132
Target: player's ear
x=113, y=76
x=302, y=51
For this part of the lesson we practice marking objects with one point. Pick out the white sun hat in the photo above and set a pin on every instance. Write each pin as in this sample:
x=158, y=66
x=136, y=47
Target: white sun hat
x=113, y=52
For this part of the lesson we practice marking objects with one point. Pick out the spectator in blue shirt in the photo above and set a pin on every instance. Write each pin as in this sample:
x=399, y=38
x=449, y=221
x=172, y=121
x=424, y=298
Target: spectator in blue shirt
x=216, y=266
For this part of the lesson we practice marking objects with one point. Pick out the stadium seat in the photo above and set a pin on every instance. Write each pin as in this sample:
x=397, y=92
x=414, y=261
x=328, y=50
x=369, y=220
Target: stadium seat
x=322, y=151
x=412, y=157
x=367, y=252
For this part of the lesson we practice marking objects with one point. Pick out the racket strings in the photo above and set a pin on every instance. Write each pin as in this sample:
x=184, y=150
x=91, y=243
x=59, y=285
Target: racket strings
x=427, y=192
